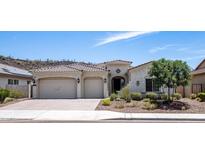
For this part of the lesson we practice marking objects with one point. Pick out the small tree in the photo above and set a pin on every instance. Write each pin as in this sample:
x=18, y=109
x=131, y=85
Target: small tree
x=170, y=73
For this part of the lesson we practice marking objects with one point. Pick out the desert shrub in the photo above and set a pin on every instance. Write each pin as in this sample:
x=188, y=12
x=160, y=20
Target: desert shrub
x=130, y=104
x=146, y=100
x=136, y=96
x=113, y=97
x=151, y=95
x=193, y=96
x=15, y=94
x=3, y=94
x=8, y=99
x=201, y=96
x=106, y=102
x=164, y=97
x=176, y=96
x=153, y=101
x=128, y=100
x=149, y=106
x=125, y=93
x=118, y=99
x=119, y=105
x=198, y=99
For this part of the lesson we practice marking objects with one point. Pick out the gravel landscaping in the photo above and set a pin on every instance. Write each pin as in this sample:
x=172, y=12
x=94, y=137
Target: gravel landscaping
x=184, y=105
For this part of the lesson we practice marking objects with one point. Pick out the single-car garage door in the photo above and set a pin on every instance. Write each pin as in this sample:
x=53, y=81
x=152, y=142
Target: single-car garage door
x=57, y=88
x=93, y=88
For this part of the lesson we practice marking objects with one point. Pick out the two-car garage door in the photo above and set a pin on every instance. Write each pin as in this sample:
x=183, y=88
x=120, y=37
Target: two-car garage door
x=57, y=88
x=67, y=88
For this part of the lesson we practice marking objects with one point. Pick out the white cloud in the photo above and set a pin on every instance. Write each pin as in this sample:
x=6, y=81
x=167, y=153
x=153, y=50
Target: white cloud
x=157, y=49
x=182, y=49
x=121, y=36
x=194, y=57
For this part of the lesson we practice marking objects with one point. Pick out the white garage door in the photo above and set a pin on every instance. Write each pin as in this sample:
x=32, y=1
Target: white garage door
x=93, y=88
x=57, y=88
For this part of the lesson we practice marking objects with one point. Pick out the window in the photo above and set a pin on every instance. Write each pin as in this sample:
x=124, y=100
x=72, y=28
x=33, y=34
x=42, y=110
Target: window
x=13, y=82
x=148, y=84
x=10, y=81
x=151, y=85
x=16, y=82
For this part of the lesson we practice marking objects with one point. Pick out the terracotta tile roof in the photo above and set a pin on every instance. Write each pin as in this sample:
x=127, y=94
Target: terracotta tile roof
x=118, y=61
x=10, y=70
x=57, y=68
x=140, y=65
x=87, y=67
x=75, y=67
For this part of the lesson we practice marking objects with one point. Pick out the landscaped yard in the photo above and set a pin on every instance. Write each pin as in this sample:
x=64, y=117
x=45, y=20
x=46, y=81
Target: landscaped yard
x=138, y=107
x=152, y=102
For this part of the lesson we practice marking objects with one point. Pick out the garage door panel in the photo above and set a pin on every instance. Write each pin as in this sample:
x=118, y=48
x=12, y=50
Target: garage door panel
x=93, y=88
x=57, y=88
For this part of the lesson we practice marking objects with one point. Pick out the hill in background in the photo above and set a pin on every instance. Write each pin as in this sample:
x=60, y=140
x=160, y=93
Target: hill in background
x=32, y=64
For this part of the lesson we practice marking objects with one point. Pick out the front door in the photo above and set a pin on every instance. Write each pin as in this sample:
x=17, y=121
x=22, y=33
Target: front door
x=117, y=84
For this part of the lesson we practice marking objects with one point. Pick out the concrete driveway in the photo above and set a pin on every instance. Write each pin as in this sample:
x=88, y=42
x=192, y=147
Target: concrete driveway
x=54, y=104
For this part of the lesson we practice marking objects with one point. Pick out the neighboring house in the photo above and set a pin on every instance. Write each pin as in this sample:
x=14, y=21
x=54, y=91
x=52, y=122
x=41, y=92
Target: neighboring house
x=14, y=78
x=79, y=80
x=198, y=78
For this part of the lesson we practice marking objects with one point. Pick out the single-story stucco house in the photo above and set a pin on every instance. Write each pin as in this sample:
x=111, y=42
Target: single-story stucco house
x=198, y=78
x=79, y=80
x=15, y=78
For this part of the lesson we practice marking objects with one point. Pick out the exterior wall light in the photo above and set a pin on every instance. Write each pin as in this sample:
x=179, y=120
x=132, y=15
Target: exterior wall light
x=105, y=80
x=78, y=80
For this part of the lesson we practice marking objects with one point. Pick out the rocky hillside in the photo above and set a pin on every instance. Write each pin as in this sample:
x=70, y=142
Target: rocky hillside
x=31, y=64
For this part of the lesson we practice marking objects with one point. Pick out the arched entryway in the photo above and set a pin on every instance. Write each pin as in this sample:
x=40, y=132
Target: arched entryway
x=117, y=83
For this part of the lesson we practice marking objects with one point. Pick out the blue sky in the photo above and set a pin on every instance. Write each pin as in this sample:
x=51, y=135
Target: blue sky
x=138, y=47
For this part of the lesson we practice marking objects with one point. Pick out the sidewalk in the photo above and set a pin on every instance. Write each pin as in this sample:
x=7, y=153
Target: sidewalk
x=54, y=115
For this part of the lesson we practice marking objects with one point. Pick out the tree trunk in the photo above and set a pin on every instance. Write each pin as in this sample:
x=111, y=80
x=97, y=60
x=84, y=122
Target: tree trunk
x=169, y=94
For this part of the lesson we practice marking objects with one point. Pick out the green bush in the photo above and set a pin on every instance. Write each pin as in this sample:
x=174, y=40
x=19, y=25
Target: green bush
x=15, y=94
x=193, y=96
x=125, y=93
x=146, y=100
x=3, y=94
x=201, y=96
x=136, y=96
x=151, y=95
x=113, y=97
x=149, y=106
x=176, y=96
x=164, y=97
x=106, y=102
x=153, y=101
x=8, y=99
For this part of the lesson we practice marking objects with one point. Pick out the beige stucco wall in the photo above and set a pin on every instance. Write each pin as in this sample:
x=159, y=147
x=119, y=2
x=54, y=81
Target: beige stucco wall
x=198, y=79
x=139, y=74
x=123, y=73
